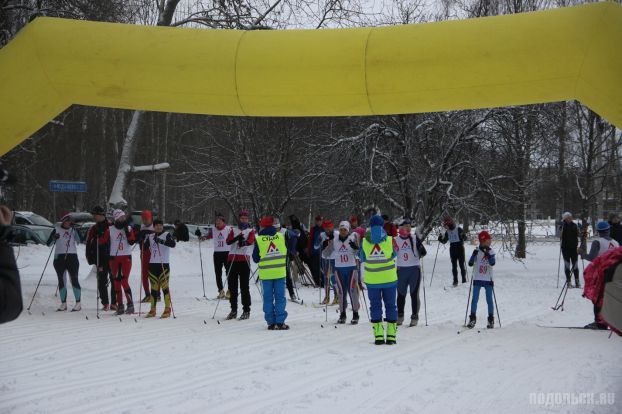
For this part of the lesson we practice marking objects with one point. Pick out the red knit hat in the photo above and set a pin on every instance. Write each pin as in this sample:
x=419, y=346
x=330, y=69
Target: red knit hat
x=146, y=215
x=319, y=218
x=354, y=219
x=327, y=224
x=266, y=221
x=483, y=236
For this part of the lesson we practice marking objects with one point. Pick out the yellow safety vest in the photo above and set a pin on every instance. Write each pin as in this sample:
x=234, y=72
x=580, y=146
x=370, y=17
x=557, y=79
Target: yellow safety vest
x=272, y=256
x=379, y=263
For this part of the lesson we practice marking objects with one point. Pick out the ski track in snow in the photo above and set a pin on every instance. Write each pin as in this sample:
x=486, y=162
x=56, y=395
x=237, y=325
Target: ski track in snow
x=61, y=362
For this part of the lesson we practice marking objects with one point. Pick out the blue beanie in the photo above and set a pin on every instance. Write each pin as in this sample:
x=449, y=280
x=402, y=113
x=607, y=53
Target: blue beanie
x=602, y=226
x=376, y=221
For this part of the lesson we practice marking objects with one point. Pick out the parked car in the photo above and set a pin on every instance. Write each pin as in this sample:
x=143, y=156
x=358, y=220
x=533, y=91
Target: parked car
x=30, y=219
x=21, y=234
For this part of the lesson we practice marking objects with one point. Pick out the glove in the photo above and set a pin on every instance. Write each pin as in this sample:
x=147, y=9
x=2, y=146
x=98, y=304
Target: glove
x=242, y=242
x=475, y=252
x=331, y=236
x=353, y=245
x=158, y=240
x=56, y=236
x=127, y=232
x=197, y=233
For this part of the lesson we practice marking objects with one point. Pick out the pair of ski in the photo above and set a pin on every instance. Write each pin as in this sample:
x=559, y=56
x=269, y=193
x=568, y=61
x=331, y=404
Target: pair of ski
x=571, y=327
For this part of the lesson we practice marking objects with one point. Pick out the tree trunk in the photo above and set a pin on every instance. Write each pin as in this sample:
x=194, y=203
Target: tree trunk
x=125, y=164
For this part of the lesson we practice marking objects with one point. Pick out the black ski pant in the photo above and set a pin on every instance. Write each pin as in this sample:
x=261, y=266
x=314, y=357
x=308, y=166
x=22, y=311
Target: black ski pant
x=571, y=259
x=104, y=278
x=240, y=272
x=456, y=253
x=315, y=268
x=220, y=261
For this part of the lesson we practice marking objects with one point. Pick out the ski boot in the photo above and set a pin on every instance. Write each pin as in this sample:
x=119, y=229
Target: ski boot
x=245, y=315
x=281, y=327
x=166, y=313
x=472, y=320
x=326, y=300
x=120, y=309
x=271, y=327
x=355, y=318
x=292, y=297
x=114, y=307
x=130, y=308
x=77, y=307
x=463, y=279
x=568, y=280
x=228, y=295
x=151, y=313
x=400, y=319
x=336, y=301
x=455, y=283
x=146, y=299
x=596, y=325
x=105, y=308
x=221, y=295
x=577, y=283
x=62, y=307
x=232, y=315
x=391, y=333
x=414, y=320
x=342, y=318
x=378, y=333
x=491, y=322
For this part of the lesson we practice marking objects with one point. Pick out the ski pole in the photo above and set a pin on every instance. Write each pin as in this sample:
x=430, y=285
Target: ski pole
x=468, y=297
x=494, y=296
x=561, y=236
x=202, y=277
x=328, y=285
x=559, y=262
x=364, y=301
x=438, y=244
x=251, y=274
x=41, y=278
x=226, y=282
x=97, y=273
x=563, y=292
x=140, y=281
x=425, y=305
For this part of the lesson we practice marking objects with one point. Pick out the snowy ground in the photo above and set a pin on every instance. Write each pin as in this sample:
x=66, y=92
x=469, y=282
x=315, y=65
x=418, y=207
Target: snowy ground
x=53, y=362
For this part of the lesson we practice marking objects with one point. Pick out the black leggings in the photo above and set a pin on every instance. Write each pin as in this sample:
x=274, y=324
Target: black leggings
x=241, y=271
x=220, y=260
x=456, y=252
x=67, y=263
x=571, y=264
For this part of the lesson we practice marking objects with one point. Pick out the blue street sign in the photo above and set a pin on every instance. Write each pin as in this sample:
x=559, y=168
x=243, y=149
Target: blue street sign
x=67, y=186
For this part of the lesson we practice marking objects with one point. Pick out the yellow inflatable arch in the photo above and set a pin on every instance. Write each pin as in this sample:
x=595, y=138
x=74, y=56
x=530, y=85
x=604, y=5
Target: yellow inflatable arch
x=545, y=56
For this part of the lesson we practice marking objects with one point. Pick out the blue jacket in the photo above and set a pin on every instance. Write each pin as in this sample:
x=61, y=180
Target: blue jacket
x=268, y=231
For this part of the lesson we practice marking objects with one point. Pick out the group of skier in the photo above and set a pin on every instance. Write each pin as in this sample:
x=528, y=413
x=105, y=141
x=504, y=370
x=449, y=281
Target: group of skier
x=109, y=247
x=384, y=259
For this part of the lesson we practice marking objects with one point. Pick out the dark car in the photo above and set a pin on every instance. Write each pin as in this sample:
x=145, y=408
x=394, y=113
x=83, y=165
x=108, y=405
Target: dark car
x=21, y=235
